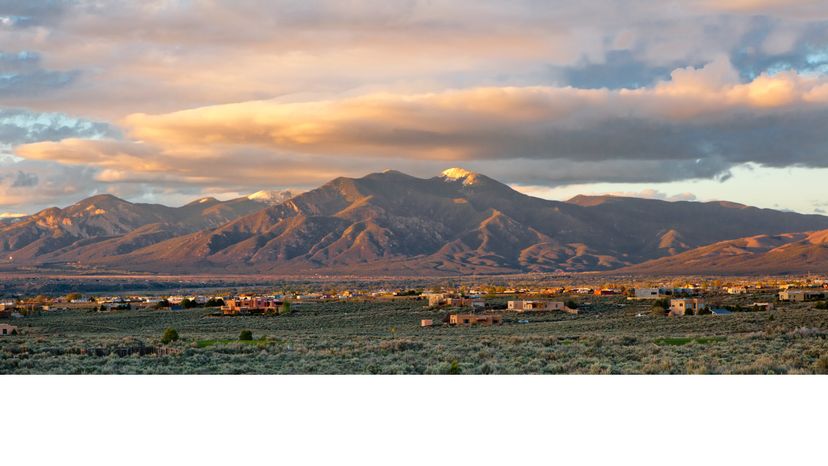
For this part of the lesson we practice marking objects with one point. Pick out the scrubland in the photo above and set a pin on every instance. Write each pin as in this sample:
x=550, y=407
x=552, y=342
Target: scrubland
x=608, y=336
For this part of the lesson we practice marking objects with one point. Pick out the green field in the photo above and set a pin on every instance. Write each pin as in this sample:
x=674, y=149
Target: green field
x=385, y=338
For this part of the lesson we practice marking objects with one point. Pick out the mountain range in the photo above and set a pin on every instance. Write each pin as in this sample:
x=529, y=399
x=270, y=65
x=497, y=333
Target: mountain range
x=391, y=223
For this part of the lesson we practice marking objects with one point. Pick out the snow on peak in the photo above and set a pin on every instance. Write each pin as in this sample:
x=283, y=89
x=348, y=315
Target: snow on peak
x=270, y=197
x=460, y=174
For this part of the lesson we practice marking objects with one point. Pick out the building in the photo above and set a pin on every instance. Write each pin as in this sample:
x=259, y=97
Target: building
x=762, y=306
x=800, y=295
x=607, y=292
x=475, y=319
x=736, y=290
x=649, y=293
x=539, y=306
x=250, y=305
x=442, y=299
x=6, y=329
x=684, y=306
x=426, y=323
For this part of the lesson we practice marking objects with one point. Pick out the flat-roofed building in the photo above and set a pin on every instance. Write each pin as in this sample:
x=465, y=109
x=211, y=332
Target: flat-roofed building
x=475, y=319
x=537, y=306
x=801, y=295
x=680, y=307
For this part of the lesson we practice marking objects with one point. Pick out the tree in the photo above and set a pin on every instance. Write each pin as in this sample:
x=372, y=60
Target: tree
x=571, y=304
x=285, y=309
x=73, y=296
x=246, y=335
x=170, y=335
x=162, y=304
x=215, y=302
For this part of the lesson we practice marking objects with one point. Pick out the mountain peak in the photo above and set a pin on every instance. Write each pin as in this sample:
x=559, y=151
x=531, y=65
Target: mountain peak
x=460, y=174
x=270, y=197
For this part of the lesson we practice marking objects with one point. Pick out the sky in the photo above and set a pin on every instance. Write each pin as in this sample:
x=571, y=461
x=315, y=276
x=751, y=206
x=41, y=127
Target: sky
x=171, y=100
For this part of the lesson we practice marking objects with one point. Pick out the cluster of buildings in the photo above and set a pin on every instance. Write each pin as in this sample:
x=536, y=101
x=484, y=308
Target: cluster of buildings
x=251, y=305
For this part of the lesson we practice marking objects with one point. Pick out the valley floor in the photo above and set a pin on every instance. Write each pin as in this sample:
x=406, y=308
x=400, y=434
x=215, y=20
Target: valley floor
x=607, y=337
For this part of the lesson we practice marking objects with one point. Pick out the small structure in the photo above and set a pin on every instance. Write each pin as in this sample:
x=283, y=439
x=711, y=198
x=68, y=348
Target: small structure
x=475, y=319
x=762, y=306
x=426, y=323
x=720, y=312
x=6, y=329
x=800, y=295
x=539, y=306
x=680, y=307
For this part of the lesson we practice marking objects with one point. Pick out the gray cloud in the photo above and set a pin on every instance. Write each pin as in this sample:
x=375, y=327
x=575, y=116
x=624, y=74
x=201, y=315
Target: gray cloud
x=19, y=126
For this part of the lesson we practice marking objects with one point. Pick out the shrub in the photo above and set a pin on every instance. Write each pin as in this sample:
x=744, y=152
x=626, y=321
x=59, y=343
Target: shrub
x=454, y=368
x=285, y=308
x=170, y=335
x=571, y=304
x=246, y=335
x=821, y=365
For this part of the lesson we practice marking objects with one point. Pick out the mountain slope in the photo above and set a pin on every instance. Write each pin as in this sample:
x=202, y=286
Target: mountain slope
x=459, y=222
x=104, y=225
x=771, y=254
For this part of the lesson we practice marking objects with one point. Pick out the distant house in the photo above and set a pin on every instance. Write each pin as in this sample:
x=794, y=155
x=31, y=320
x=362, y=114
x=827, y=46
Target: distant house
x=762, y=306
x=649, y=293
x=6, y=329
x=250, y=305
x=800, y=295
x=680, y=307
x=607, y=292
x=475, y=319
x=539, y=306
x=426, y=323
x=442, y=299
x=736, y=290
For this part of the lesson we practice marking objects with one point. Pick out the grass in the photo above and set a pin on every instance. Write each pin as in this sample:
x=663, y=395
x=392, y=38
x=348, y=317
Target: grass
x=679, y=341
x=260, y=342
x=385, y=338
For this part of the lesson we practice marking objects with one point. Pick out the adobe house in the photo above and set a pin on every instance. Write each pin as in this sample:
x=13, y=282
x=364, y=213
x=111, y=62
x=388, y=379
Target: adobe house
x=250, y=305
x=800, y=295
x=474, y=319
x=6, y=329
x=684, y=306
x=426, y=323
x=539, y=306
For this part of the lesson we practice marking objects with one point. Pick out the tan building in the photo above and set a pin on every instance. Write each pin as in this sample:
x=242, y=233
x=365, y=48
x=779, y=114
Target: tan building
x=250, y=305
x=6, y=329
x=426, y=323
x=442, y=299
x=800, y=295
x=539, y=306
x=475, y=319
x=680, y=307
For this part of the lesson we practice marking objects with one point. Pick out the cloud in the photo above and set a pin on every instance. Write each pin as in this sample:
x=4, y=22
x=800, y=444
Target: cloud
x=699, y=123
x=255, y=93
x=177, y=55
x=21, y=74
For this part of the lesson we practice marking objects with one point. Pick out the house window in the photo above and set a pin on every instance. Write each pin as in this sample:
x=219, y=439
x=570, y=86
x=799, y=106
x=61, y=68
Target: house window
x=4, y=331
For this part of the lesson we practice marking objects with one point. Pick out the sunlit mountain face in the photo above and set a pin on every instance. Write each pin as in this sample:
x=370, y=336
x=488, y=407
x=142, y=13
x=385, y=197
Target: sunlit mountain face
x=694, y=100
x=391, y=223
